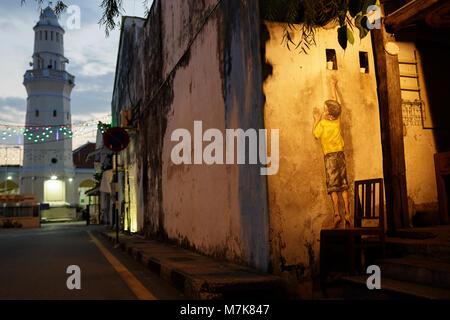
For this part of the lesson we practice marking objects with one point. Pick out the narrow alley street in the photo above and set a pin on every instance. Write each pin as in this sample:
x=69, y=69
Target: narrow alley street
x=34, y=264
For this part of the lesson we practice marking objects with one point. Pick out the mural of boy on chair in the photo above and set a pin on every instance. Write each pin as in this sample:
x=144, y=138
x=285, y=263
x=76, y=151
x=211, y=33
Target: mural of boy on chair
x=327, y=128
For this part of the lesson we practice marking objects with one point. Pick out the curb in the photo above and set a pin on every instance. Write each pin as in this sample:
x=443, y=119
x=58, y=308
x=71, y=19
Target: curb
x=222, y=284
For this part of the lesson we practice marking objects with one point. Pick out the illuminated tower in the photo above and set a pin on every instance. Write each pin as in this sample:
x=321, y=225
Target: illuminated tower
x=47, y=162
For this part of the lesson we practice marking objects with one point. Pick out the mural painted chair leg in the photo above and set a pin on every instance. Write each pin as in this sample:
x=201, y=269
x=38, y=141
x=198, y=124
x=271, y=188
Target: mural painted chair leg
x=351, y=254
x=323, y=266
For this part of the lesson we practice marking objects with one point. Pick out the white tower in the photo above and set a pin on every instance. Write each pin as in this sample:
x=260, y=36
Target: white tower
x=47, y=162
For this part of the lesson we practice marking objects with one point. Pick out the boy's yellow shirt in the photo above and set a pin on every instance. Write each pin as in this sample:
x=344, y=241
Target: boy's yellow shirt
x=329, y=133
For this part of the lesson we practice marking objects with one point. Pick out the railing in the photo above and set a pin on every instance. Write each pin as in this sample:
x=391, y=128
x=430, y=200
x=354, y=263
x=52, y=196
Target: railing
x=49, y=73
x=34, y=73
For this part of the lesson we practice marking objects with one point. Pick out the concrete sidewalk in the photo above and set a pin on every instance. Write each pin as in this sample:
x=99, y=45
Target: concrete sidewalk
x=198, y=276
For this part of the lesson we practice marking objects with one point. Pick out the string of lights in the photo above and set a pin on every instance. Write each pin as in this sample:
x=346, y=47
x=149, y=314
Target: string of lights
x=92, y=122
x=51, y=133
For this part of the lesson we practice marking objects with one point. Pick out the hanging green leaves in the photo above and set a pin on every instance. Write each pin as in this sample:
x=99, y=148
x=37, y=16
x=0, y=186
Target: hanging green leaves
x=361, y=24
x=342, y=37
x=342, y=14
x=306, y=16
x=350, y=37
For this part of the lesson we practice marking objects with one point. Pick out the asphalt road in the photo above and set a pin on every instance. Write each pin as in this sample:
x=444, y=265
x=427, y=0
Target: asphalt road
x=33, y=265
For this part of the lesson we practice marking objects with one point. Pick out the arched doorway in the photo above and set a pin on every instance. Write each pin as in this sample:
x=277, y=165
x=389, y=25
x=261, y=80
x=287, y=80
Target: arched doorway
x=9, y=187
x=84, y=186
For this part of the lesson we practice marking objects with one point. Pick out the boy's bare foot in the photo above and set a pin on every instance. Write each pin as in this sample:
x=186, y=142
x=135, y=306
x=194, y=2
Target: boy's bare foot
x=347, y=221
x=337, y=220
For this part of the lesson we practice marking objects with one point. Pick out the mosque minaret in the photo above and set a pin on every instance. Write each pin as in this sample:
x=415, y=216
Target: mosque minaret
x=48, y=169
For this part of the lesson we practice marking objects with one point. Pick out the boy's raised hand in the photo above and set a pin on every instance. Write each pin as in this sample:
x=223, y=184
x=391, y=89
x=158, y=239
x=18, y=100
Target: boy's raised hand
x=334, y=89
x=316, y=113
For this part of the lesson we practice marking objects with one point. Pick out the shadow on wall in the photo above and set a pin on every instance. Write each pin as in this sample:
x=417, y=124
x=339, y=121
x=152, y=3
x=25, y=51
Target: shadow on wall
x=242, y=83
x=436, y=67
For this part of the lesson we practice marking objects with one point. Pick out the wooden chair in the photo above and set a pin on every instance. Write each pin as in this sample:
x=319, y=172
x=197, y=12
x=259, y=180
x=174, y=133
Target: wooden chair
x=368, y=232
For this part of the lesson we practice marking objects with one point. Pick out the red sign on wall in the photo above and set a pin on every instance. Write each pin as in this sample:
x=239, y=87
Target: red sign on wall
x=116, y=139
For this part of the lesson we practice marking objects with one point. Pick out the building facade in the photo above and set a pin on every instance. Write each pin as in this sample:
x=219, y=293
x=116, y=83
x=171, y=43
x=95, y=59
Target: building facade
x=222, y=64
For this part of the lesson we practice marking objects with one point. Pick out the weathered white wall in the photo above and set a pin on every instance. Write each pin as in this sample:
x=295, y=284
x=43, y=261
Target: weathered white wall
x=202, y=204
x=181, y=21
x=200, y=60
x=200, y=201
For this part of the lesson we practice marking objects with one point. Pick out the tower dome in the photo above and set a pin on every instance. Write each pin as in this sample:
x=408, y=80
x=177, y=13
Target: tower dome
x=48, y=17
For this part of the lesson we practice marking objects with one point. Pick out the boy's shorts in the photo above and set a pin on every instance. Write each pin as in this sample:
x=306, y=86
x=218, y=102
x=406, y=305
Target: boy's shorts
x=336, y=172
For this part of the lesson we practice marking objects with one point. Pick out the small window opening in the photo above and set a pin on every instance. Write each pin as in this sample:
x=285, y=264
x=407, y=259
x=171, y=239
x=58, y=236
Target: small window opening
x=331, y=59
x=54, y=113
x=36, y=113
x=40, y=35
x=51, y=35
x=363, y=62
x=46, y=35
